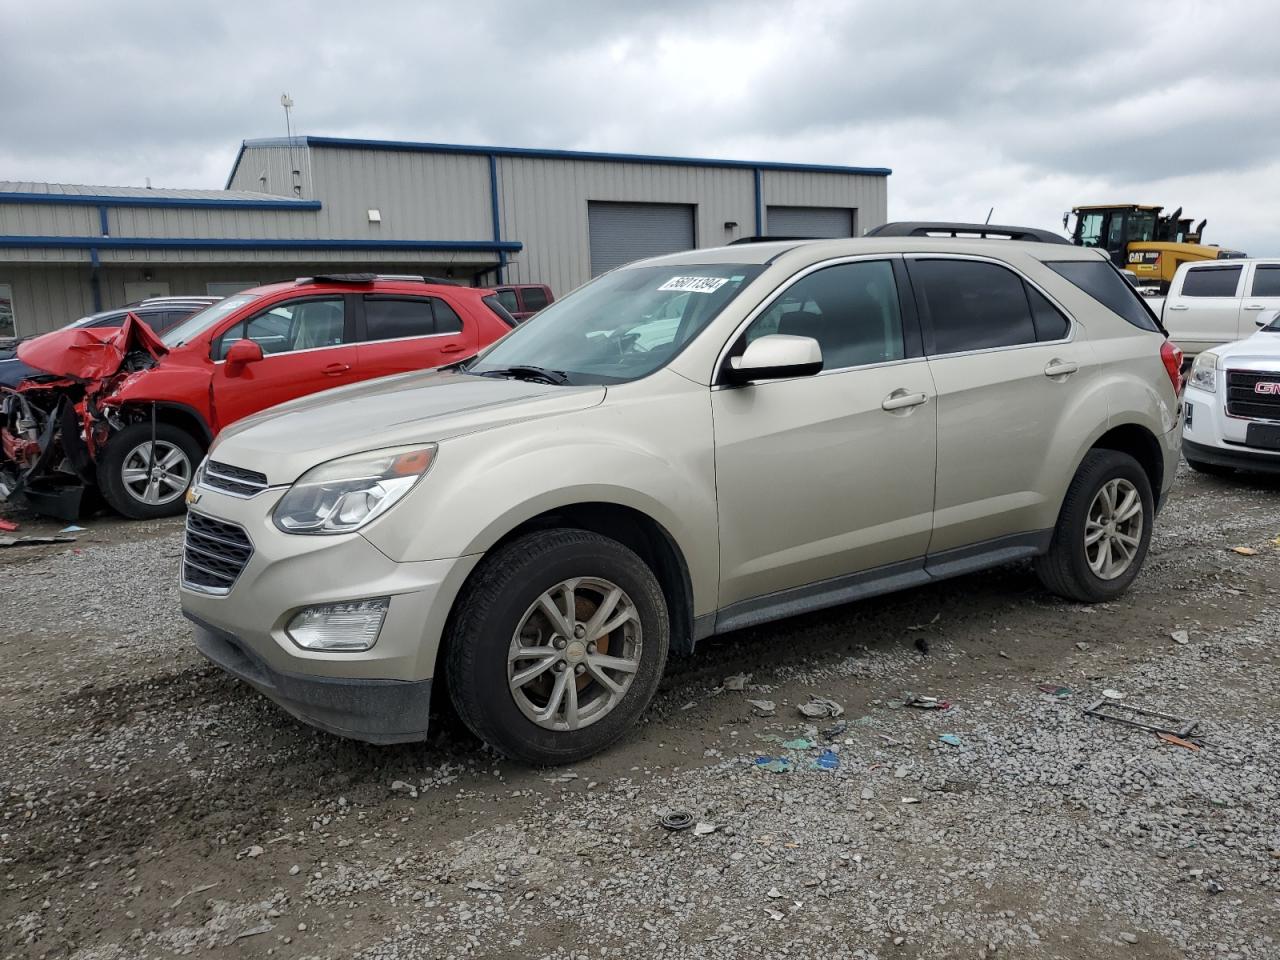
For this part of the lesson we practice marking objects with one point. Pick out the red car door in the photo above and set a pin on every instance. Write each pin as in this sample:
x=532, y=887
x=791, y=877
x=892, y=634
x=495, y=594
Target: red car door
x=308, y=345
x=401, y=332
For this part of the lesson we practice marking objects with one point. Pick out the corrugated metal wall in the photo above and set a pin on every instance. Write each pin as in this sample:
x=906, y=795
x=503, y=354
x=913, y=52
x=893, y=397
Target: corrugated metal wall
x=43, y=293
x=270, y=170
x=867, y=195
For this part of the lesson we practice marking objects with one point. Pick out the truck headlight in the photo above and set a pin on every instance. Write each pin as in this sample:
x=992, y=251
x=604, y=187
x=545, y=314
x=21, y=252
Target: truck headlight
x=344, y=494
x=1204, y=372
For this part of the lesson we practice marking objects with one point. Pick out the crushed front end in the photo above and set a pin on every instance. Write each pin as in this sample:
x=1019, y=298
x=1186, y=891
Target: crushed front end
x=53, y=423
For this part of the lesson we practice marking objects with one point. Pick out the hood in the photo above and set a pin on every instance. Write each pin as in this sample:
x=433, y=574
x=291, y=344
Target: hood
x=286, y=441
x=91, y=353
x=1260, y=351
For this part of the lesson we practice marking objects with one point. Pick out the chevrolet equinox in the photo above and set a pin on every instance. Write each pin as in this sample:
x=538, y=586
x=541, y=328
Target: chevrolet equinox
x=684, y=446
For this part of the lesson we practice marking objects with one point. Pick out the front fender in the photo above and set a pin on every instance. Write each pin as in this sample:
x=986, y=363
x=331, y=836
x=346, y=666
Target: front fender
x=651, y=452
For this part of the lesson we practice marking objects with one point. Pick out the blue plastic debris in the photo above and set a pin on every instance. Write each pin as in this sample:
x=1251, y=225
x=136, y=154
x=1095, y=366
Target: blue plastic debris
x=827, y=760
x=950, y=739
x=774, y=764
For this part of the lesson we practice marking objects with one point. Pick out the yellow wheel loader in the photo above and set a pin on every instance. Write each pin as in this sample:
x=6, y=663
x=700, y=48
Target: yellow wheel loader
x=1139, y=239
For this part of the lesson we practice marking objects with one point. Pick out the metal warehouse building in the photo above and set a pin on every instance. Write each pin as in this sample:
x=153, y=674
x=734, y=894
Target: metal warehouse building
x=483, y=215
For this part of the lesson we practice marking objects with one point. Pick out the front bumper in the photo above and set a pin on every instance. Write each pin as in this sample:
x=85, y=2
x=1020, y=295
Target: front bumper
x=380, y=694
x=1240, y=458
x=376, y=711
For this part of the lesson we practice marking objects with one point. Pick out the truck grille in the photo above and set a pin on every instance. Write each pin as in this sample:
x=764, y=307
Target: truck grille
x=213, y=553
x=1243, y=399
x=234, y=480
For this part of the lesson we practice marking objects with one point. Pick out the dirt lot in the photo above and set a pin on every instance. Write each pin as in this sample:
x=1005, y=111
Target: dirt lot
x=153, y=807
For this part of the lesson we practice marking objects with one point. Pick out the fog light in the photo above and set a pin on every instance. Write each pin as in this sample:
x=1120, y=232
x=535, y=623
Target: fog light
x=338, y=626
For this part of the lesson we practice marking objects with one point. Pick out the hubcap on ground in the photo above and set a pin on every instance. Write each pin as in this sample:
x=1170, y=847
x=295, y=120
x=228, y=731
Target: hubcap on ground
x=574, y=653
x=156, y=481
x=1113, y=529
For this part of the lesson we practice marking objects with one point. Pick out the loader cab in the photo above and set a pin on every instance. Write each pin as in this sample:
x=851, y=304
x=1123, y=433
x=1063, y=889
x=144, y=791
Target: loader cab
x=1114, y=228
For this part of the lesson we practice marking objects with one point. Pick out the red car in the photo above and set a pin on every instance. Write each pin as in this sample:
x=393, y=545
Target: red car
x=523, y=300
x=132, y=413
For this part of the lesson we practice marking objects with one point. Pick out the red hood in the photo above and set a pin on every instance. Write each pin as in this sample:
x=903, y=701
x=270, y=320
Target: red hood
x=87, y=353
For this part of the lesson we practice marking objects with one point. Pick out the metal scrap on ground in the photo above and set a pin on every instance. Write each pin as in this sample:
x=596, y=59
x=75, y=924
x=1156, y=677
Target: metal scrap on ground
x=1141, y=718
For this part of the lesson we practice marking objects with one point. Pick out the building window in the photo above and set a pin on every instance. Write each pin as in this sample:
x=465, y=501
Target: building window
x=8, y=326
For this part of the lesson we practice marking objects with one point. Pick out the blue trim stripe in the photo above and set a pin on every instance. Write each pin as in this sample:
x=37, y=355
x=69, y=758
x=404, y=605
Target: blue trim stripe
x=92, y=200
x=233, y=243
x=412, y=146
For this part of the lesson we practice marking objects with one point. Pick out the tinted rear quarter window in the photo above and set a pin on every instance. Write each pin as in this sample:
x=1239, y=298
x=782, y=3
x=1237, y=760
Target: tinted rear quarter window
x=1050, y=323
x=1266, y=280
x=447, y=320
x=1211, y=282
x=970, y=305
x=508, y=300
x=535, y=298
x=388, y=319
x=1100, y=280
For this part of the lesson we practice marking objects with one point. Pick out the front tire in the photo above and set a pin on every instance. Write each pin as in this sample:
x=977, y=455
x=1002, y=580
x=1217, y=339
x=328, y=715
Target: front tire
x=557, y=646
x=1103, y=530
x=143, y=486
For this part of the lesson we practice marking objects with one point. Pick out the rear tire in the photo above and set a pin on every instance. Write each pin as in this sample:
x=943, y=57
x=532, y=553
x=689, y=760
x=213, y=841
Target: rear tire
x=1097, y=550
x=1210, y=469
x=122, y=475
x=584, y=690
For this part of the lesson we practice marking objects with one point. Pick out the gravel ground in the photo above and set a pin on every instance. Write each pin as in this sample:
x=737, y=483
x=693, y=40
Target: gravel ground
x=153, y=807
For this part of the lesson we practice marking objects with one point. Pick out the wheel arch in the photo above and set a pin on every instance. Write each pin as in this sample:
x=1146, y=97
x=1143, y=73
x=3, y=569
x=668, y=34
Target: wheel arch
x=175, y=414
x=1140, y=443
x=630, y=526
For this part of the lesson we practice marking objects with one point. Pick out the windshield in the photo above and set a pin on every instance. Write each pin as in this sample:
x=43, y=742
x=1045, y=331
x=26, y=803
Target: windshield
x=197, y=324
x=622, y=326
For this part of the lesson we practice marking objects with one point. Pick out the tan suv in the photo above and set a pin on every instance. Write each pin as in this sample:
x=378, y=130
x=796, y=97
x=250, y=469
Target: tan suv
x=684, y=446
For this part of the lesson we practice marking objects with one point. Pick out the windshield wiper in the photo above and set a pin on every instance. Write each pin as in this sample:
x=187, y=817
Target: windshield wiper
x=527, y=371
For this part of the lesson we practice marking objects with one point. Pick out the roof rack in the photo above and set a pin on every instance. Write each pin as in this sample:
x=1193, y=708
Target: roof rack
x=371, y=277
x=965, y=231
x=763, y=239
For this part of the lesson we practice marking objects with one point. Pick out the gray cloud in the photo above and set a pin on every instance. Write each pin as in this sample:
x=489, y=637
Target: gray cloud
x=1025, y=107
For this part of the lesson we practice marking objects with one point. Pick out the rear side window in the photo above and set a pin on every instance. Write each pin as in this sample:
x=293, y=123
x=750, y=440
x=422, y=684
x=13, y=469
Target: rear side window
x=390, y=319
x=535, y=298
x=1100, y=280
x=495, y=304
x=1266, y=280
x=1211, y=282
x=447, y=320
x=971, y=305
x=1050, y=322
x=508, y=300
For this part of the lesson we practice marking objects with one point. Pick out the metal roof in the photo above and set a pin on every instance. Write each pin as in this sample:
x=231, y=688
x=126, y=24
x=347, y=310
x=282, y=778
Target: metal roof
x=548, y=154
x=25, y=191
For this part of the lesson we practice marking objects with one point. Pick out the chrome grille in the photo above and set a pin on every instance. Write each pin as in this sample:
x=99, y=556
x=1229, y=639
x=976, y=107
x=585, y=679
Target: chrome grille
x=234, y=480
x=1244, y=401
x=214, y=553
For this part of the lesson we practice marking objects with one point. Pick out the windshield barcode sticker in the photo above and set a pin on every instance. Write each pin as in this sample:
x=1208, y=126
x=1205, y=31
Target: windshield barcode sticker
x=695, y=284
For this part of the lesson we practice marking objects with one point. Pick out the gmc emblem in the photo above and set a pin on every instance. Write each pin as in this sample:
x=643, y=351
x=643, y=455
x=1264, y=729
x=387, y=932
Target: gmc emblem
x=1269, y=388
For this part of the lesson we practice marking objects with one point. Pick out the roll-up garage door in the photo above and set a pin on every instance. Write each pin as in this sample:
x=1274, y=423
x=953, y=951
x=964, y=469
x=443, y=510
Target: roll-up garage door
x=622, y=232
x=810, y=222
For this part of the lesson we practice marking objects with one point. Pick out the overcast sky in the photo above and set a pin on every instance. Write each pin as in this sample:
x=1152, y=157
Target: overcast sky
x=1025, y=107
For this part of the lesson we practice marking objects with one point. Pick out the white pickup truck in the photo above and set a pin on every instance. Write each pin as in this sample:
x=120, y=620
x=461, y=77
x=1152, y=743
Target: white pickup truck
x=1219, y=301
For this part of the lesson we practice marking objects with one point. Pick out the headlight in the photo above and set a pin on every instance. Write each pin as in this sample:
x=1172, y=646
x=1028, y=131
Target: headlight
x=345, y=494
x=1204, y=372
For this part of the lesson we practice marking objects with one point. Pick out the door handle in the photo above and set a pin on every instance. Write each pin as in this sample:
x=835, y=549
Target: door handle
x=452, y=348
x=1253, y=306
x=333, y=369
x=1178, y=306
x=1060, y=368
x=900, y=400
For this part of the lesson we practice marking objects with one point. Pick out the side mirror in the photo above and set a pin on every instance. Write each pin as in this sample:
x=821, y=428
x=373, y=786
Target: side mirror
x=775, y=357
x=1267, y=317
x=240, y=354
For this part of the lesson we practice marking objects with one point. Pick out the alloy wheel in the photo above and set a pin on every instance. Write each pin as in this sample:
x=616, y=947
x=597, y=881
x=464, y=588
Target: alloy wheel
x=156, y=481
x=574, y=654
x=1113, y=529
